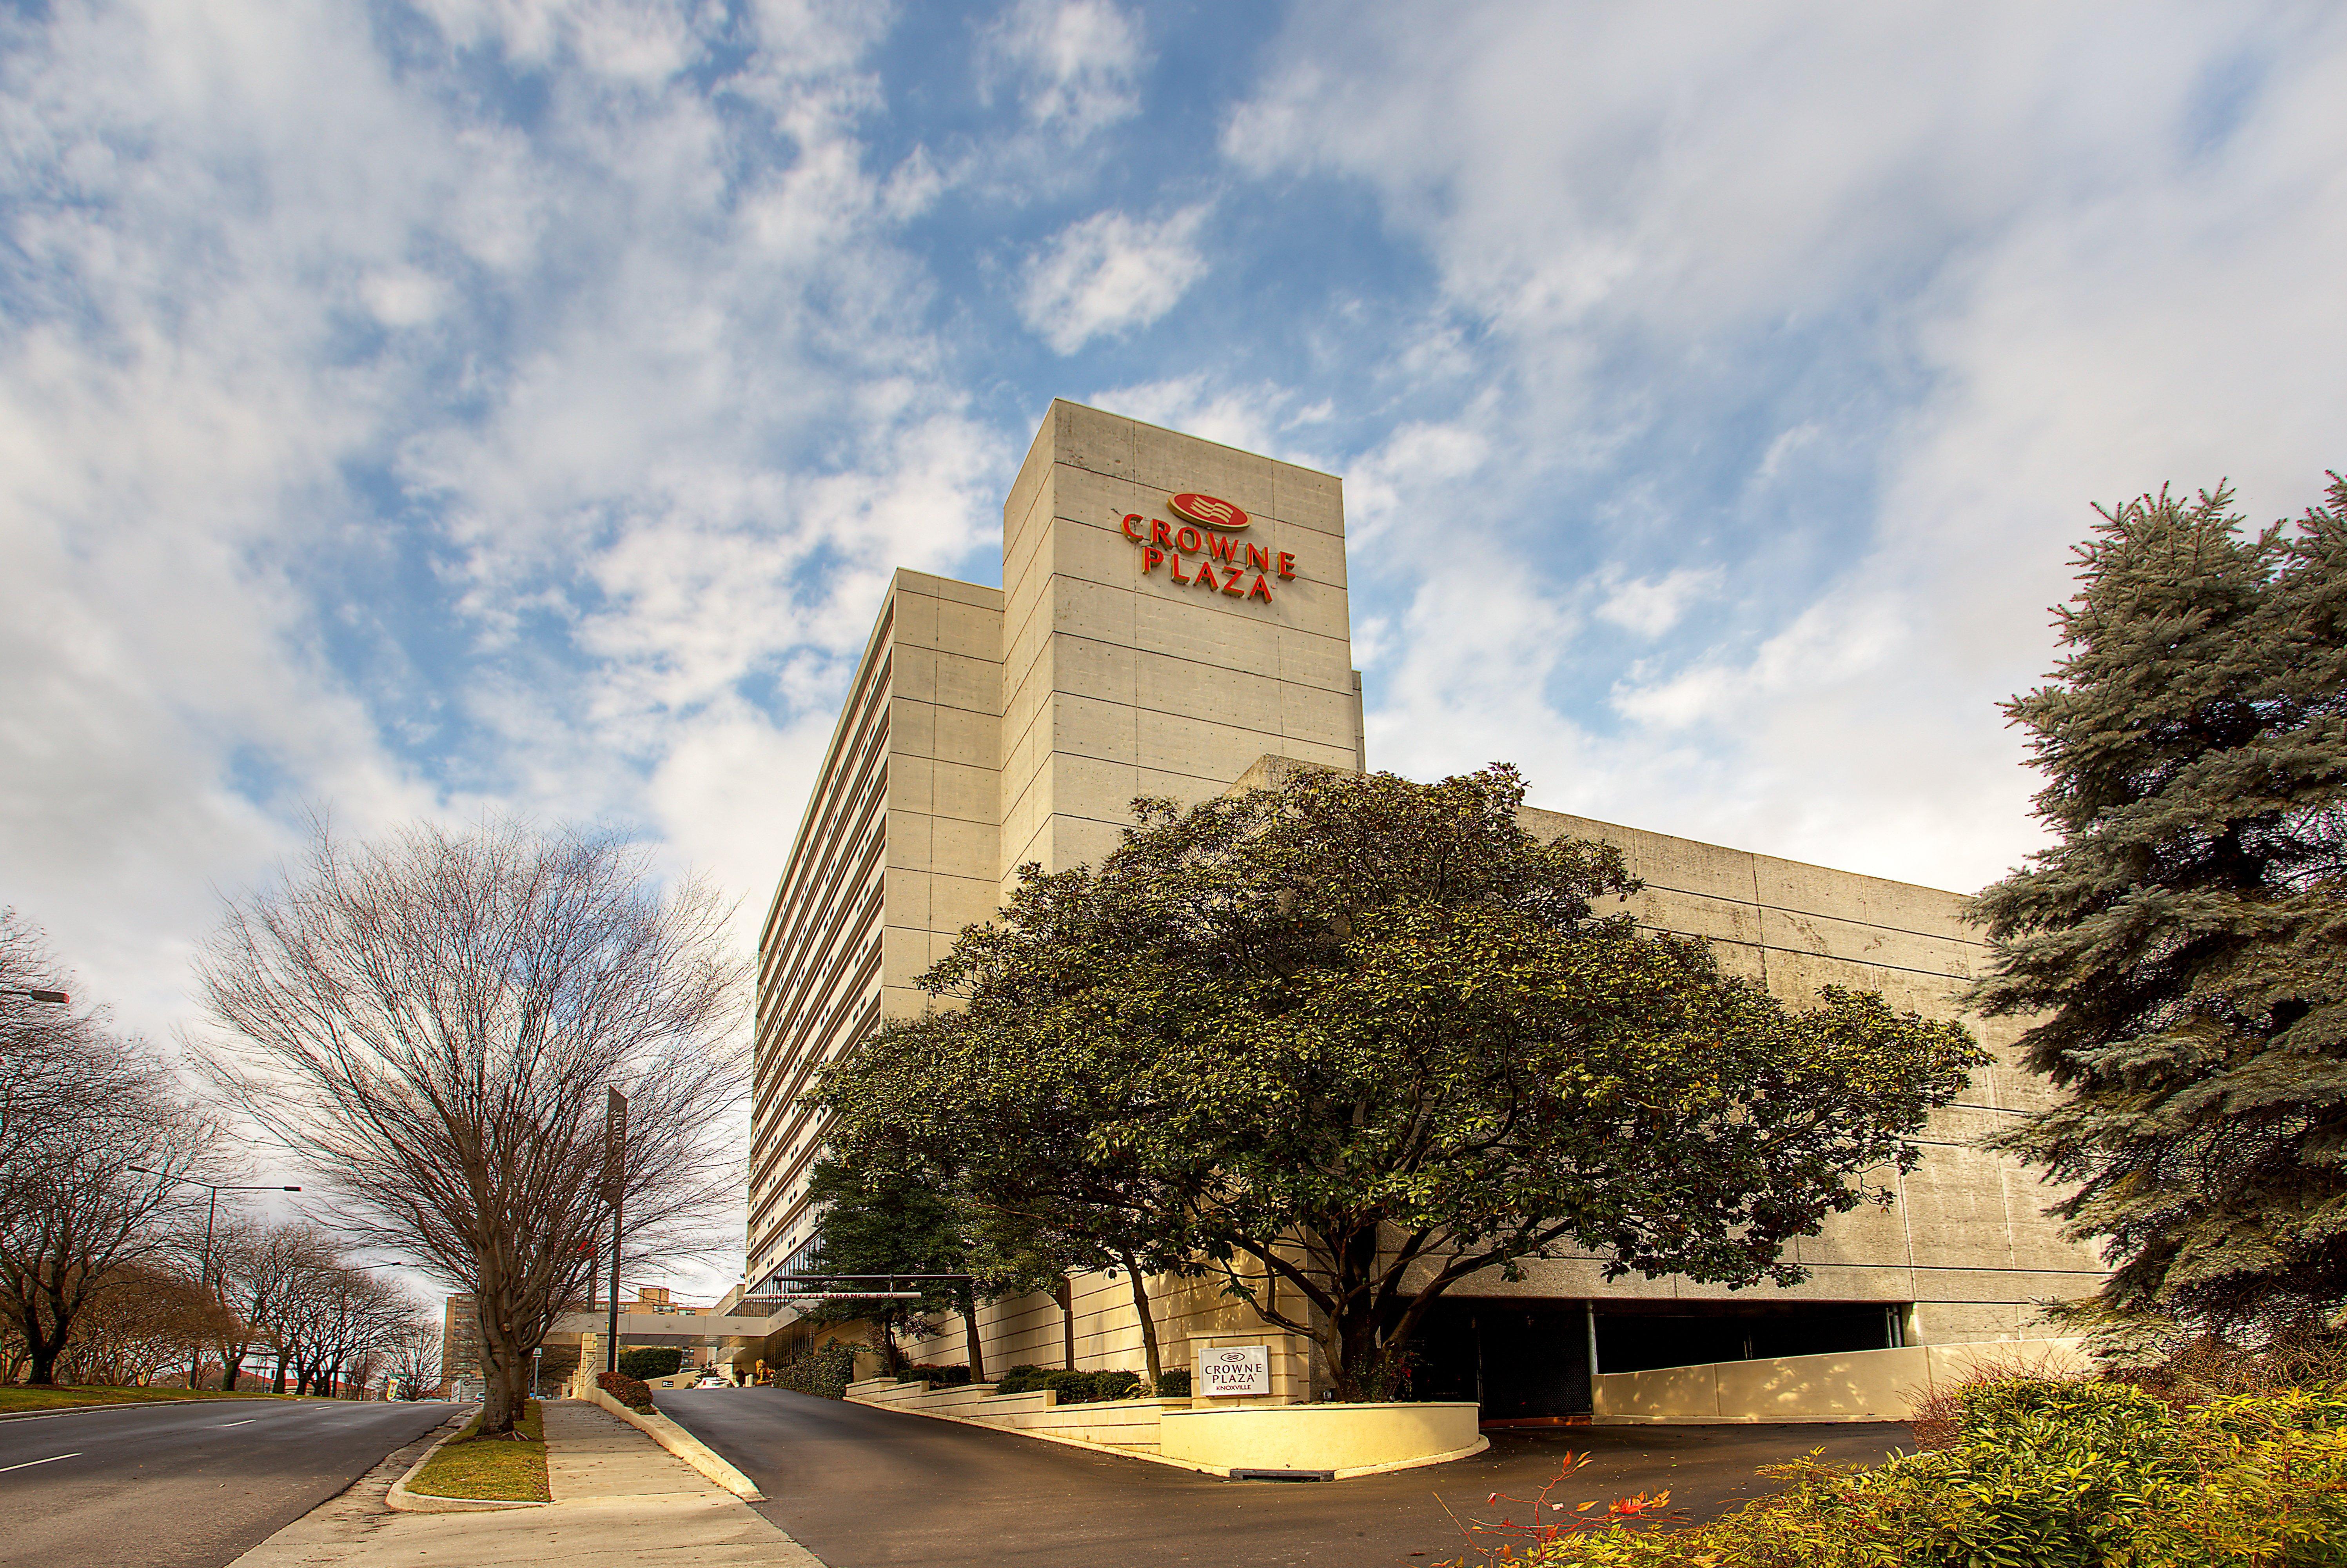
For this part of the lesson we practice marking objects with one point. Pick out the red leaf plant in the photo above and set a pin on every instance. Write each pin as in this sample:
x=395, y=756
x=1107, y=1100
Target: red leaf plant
x=1494, y=1543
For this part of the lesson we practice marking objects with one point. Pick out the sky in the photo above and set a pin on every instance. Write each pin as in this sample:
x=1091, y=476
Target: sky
x=432, y=408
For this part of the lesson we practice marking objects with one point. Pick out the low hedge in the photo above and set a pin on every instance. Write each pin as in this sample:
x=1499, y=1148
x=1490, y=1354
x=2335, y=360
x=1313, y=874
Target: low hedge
x=1072, y=1388
x=824, y=1371
x=935, y=1377
x=2040, y=1474
x=632, y=1392
x=649, y=1361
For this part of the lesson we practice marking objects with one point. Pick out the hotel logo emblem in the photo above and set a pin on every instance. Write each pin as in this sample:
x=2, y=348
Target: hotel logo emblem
x=1208, y=512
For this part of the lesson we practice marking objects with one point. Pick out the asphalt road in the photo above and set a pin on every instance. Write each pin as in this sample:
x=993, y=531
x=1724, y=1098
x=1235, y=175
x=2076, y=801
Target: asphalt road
x=183, y=1485
x=863, y=1488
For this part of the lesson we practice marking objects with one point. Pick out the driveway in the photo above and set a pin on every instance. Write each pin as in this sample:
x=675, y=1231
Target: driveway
x=864, y=1488
x=184, y=1485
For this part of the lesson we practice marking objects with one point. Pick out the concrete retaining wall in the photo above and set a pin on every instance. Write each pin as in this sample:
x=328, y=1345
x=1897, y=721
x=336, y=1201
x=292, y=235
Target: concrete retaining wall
x=1853, y=1385
x=1350, y=1439
x=1347, y=1440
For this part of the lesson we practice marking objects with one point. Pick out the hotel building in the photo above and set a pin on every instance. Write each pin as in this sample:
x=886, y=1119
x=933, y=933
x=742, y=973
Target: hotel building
x=1173, y=615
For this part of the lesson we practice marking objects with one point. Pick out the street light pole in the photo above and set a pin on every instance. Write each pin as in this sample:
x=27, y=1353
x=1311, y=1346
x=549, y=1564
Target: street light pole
x=36, y=994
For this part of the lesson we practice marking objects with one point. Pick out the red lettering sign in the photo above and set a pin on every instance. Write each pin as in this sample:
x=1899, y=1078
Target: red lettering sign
x=1208, y=521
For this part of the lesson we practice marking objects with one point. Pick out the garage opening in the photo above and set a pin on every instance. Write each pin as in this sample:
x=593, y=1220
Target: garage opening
x=1526, y=1359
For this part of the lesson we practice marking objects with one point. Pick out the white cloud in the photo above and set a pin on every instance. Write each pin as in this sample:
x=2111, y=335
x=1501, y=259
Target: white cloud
x=1992, y=264
x=369, y=449
x=1652, y=606
x=1254, y=418
x=1109, y=274
x=1076, y=61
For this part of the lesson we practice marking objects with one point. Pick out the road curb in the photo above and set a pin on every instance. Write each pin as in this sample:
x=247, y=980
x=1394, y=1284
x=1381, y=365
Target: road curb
x=684, y=1446
x=402, y=1501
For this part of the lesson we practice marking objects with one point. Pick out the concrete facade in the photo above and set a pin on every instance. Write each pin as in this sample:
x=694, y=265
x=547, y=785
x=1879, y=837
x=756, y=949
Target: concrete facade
x=1143, y=645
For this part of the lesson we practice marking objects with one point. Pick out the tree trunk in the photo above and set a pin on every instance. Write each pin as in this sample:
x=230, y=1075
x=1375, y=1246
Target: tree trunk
x=496, y=1357
x=44, y=1357
x=1148, y=1355
x=277, y=1383
x=1067, y=1295
x=969, y=1330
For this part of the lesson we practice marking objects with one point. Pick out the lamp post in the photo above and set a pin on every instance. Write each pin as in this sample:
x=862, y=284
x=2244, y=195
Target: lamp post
x=36, y=994
x=211, y=1212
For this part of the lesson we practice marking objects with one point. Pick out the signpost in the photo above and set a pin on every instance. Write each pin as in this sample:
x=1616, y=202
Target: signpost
x=615, y=1185
x=1234, y=1371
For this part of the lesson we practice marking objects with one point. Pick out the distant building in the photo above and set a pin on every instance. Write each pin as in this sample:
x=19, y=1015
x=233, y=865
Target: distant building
x=460, y=1340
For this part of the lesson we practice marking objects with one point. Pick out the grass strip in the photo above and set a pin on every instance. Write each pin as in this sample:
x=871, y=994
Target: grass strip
x=64, y=1397
x=490, y=1469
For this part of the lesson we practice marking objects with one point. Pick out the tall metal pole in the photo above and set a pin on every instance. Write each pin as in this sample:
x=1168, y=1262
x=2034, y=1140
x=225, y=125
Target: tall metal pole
x=611, y=1340
x=615, y=1170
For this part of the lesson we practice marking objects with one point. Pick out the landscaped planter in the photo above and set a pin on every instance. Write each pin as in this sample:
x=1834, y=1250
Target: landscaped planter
x=1348, y=1439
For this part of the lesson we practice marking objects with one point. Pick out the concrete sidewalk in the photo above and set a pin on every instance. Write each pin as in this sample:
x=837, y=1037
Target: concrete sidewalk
x=619, y=1497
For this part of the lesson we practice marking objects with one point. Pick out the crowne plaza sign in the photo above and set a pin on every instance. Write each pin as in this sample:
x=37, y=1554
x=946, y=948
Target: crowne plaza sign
x=1206, y=541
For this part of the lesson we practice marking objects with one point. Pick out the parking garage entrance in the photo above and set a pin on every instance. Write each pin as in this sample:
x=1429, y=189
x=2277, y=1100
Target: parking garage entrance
x=1529, y=1358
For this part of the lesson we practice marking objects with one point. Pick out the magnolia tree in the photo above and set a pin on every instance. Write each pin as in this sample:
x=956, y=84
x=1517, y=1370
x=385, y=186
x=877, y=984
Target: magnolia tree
x=433, y=1019
x=1350, y=1040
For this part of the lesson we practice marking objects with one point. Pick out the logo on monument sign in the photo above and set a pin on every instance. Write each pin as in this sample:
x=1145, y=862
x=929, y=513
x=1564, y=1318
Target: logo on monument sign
x=1202, y=544
x=1234, y=1370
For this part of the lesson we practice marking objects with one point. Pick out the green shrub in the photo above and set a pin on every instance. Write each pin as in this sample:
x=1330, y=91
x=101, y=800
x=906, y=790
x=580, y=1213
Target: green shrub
x=824, y=1371
x=1020, y=1380
x=1072, y=1388
x=1173, y=1383
x=646, y=1362
x=628, y=1391
x=2043, y=1475
x=935, y=1377
x=1117, y=1385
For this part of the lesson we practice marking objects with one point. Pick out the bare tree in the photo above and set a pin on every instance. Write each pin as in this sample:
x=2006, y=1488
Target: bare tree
x=83, y=1212
x=414, y=1354
x=146, y=1319
x=433, y=1019
x=58, y=1066
x=82, y=1109
x=256, y=1264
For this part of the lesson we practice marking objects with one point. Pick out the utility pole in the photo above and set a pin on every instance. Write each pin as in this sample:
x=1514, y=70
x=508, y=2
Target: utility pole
x=615, y=1172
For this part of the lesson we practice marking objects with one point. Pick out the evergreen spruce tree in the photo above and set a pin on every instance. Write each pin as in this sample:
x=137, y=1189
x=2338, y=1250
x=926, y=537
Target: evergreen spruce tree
x=2182, y=944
